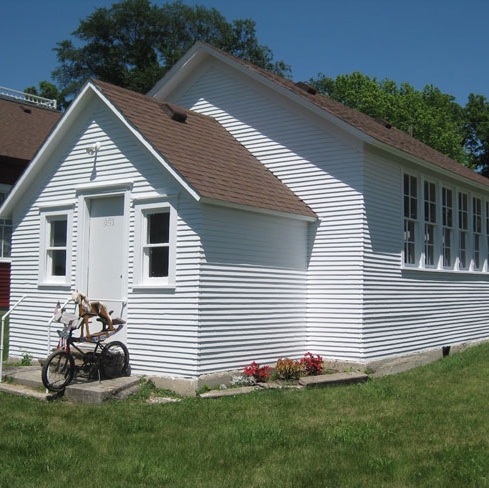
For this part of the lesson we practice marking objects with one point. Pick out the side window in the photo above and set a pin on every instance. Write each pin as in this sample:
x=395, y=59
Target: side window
x=55, y=248
x=156, y=247
x=463, y=230
x=5, y=227
x=155, y=244
x=447, y=221
x=477, y=230
x=410, y=218
x=429, y=224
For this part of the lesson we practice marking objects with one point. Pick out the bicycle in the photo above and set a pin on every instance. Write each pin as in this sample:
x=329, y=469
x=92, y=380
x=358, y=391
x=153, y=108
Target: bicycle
x=104, y=360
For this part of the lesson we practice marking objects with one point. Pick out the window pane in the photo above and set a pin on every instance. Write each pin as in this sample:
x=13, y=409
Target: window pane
x=58, y=233
x=462, y=250
x=409, y=242
x=158, y=228
x=58, y=263
x=447, y=207
x=447, y=248
x=429, y=202
x=463, y=211
x=477, y=251
x=158, y=262
x=6, y=242
x=429, y=245
x=410, y=197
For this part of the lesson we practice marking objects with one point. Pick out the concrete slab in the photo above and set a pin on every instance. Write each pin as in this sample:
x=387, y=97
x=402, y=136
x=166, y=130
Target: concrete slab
x=22, y=390
x=97, y=392
x=333, y=379
x=26, y=381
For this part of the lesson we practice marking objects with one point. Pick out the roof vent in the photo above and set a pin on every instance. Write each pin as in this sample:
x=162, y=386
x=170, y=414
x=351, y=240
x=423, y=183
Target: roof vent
x=25, y=109
x=175, y=113
x=383, y=122
x=307, y=88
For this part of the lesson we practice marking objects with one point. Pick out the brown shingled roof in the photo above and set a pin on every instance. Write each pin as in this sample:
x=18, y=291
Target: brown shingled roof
x=215, y=164
x=23, y=128
x=383, y=133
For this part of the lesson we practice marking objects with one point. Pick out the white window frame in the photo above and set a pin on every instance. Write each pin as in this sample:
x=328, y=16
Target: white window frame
x=46, y=278
x=460, y=230
x=430, y=218
x=411, y=221
x=141, y=278
x=477, y=226
x=463, y=221
x=448, y=216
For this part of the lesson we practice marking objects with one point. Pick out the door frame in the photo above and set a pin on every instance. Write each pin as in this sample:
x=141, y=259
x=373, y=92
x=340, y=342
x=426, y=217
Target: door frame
x=86, y=193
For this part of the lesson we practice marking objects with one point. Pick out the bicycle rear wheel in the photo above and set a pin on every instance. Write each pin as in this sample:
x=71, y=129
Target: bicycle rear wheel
x=58, y=371
x=115, y=360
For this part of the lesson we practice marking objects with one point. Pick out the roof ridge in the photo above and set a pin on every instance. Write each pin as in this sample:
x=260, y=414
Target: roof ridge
x=386, y=134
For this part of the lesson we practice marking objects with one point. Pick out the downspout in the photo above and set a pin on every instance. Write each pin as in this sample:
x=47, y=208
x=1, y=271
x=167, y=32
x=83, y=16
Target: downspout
x=1, y=335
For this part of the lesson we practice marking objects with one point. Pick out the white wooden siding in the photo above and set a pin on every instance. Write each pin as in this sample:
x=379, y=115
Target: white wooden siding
x=253, y=289
x=324, y=168
x=162, y=325
x=411, y=310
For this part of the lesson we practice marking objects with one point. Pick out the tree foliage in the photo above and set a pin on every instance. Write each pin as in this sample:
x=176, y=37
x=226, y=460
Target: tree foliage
x=477, y=132
x=133, y=43
x=429, y=115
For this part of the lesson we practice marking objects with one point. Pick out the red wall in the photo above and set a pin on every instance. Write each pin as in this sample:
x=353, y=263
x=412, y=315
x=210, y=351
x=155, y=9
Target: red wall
x=4, y=285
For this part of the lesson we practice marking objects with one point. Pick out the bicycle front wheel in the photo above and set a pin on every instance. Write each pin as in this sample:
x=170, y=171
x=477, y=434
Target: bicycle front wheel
x=58, y=371
x=115, y=360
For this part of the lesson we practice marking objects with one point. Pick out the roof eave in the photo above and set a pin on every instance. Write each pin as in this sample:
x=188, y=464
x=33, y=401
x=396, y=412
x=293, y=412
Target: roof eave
x=312, y=217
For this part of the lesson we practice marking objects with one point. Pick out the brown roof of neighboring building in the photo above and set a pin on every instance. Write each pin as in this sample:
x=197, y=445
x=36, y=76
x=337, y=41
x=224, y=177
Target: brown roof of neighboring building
x=215, y=164
x=378, y=130
x=23, y=128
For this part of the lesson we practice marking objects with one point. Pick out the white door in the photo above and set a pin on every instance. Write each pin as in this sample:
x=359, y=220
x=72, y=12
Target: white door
x=106, y=267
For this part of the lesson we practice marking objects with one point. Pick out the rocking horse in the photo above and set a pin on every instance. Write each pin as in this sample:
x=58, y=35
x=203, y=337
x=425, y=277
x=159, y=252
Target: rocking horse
x=87, y=309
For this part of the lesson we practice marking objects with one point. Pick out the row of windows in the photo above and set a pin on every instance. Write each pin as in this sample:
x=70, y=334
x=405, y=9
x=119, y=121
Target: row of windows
x=444, y=228
x=154, y=247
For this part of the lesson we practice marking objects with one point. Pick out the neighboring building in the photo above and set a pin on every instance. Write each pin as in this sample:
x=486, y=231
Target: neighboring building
x=260, y=221
x=25, y=121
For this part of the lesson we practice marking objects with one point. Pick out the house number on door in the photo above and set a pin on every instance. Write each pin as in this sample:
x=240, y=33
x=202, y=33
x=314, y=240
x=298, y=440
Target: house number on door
x=109, y=222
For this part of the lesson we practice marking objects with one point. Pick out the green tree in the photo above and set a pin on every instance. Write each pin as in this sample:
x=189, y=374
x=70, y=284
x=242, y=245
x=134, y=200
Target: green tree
x=477, y=132
x=133, y=43
x=429, y=115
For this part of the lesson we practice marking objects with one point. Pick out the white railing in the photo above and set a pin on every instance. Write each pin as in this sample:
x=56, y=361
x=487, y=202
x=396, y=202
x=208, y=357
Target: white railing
x=27, y=97
x=1, y=336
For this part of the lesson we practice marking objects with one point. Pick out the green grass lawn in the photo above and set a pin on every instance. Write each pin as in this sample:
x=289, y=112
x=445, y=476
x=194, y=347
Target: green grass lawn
x=428, y=427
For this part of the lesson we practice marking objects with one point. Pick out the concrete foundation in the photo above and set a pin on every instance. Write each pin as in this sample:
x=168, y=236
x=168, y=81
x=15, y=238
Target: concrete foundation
x=381, y=367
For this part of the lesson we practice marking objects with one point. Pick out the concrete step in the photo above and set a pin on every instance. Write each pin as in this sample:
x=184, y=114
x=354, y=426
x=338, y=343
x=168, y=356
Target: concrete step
x=26, y=381
x=333, y=379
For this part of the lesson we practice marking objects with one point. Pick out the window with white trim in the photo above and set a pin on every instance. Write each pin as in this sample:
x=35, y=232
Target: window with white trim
x=477, y=232
x=5, y=227
x=444, y=228
x=410, y=218
x=55, y=249
x=155, y=251
x=463, y=230
x=429, y=224
x=447, y=222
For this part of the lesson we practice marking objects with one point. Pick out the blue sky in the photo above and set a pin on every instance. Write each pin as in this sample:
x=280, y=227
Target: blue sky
x=440, y=42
